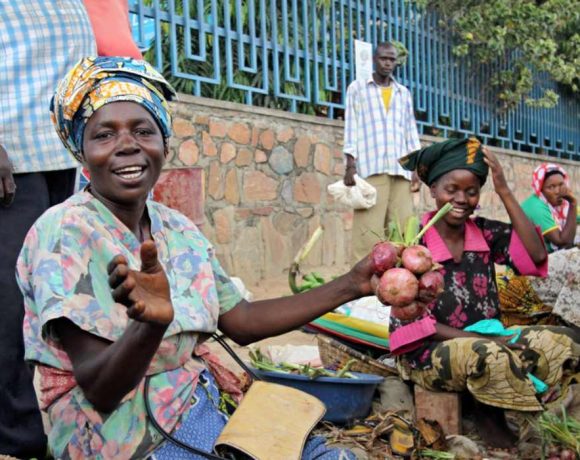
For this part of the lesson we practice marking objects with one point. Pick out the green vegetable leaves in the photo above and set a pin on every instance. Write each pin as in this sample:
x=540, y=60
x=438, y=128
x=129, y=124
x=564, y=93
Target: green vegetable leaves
x=262, y=362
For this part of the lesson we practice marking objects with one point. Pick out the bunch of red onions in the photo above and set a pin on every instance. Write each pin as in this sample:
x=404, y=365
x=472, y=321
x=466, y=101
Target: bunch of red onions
x=408, y=278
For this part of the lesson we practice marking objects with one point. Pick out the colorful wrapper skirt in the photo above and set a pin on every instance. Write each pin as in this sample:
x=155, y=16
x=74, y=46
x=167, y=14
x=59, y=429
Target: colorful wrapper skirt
x=498, y=376
x=531, y=300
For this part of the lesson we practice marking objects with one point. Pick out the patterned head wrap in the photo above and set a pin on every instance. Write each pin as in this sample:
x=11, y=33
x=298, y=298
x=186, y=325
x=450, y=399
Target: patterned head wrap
x=559, y=213
x=96, y=81
x=438, y=159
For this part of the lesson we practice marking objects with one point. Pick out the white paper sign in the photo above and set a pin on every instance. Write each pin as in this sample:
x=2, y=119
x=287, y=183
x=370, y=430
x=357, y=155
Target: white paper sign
x=363, y=60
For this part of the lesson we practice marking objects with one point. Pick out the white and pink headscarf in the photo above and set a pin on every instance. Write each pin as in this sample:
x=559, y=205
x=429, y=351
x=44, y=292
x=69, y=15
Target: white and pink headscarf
x=560, y=213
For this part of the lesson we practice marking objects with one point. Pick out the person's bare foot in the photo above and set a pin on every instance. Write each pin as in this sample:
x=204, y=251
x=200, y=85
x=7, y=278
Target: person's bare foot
x=493, y=428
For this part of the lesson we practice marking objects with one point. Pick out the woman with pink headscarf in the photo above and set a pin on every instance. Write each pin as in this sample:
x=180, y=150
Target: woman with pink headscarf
x=552, y=299
x=552, y=206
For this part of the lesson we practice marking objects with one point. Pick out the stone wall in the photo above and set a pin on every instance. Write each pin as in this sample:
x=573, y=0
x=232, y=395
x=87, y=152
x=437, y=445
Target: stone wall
x=265, y=178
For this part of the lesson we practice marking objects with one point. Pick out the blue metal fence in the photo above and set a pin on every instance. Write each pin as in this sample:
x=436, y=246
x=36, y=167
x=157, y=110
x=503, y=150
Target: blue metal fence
x=299, y=55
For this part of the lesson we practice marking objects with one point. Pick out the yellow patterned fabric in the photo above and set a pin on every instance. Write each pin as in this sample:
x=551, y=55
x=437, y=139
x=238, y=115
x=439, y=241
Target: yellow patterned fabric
x=97, y=81
x=519, y=303
x=434, y=161
x=496, y=375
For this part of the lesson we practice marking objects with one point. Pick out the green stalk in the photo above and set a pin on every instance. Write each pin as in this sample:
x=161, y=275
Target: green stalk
x=302, y=254
x=437, y=454
x=444, y=210
x=268, y=367
x=305, y=250
x=344, y=370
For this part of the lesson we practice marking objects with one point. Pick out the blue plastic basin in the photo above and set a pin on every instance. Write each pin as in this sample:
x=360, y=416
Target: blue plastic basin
x=345, y=399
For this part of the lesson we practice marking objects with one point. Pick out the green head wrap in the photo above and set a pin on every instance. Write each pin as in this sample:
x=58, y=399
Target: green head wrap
x=438, y=159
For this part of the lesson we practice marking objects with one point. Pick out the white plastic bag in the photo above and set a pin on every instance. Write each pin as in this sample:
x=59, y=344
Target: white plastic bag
x=362, y=195
x=368, y=308
x=247, y=295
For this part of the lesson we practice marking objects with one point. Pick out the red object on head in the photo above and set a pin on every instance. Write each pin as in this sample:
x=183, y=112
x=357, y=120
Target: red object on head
x=112, y=28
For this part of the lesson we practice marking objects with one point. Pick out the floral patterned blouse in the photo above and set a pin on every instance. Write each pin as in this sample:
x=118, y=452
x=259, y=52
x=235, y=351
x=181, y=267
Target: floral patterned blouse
x=62, y=272
x=470, y=293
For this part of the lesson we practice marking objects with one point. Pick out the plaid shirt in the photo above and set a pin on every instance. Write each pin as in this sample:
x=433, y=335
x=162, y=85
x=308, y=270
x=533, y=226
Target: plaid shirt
x=377, y=138
x=40, y=40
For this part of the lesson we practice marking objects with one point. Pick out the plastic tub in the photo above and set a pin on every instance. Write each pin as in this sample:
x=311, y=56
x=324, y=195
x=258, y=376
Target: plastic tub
x=345, y=399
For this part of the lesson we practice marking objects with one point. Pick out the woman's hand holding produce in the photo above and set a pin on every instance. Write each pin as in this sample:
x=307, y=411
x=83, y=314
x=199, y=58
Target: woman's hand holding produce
x=408, y=288
x=363, y=277
x=145, y=293
x=408, y=278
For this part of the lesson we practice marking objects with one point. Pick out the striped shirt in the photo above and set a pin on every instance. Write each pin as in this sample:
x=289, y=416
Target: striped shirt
x=377, y=137
x=40, y=40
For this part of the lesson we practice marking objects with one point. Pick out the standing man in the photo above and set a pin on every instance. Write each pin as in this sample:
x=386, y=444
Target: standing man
x=379, y=129
x=40, y=40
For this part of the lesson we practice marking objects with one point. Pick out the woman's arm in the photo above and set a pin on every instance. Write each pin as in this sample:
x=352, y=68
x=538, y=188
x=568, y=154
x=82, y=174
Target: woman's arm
x=107, y=371
x=520, y=222
x=249, y=322
x=565, y=238
x=445, y=332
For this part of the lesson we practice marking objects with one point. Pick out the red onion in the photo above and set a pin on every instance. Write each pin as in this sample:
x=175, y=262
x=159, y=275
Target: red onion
x=431, y=284
x=567, y=454
x=384, y=257
x=408, y=312
x=400, y=247
x=417, y=259
x=397, y=286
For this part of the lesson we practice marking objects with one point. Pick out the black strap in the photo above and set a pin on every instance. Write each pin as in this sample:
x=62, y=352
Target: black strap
x=219, y=339
x=166, y=435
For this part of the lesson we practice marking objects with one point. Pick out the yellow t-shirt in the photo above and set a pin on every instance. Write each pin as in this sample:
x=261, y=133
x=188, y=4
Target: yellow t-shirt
x=387, y=93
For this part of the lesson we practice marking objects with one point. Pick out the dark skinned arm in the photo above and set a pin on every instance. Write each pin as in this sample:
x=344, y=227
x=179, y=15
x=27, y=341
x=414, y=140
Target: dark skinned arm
x=565, y=238
x=415, y=182
x=107, y=371
x=520, y=222
x=350, y=170
x=7, y=185
x=249, y=322
x=445, y=332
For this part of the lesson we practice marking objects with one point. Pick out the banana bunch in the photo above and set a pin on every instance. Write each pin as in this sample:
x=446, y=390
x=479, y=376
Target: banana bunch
x=311, y=280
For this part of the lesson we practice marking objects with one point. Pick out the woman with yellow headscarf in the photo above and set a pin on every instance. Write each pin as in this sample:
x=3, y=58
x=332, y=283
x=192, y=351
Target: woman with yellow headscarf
x=120, y=290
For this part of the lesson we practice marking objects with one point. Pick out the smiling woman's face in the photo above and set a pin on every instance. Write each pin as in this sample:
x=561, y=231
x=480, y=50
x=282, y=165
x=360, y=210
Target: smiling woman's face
x=461, y=188
x=123, y=150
